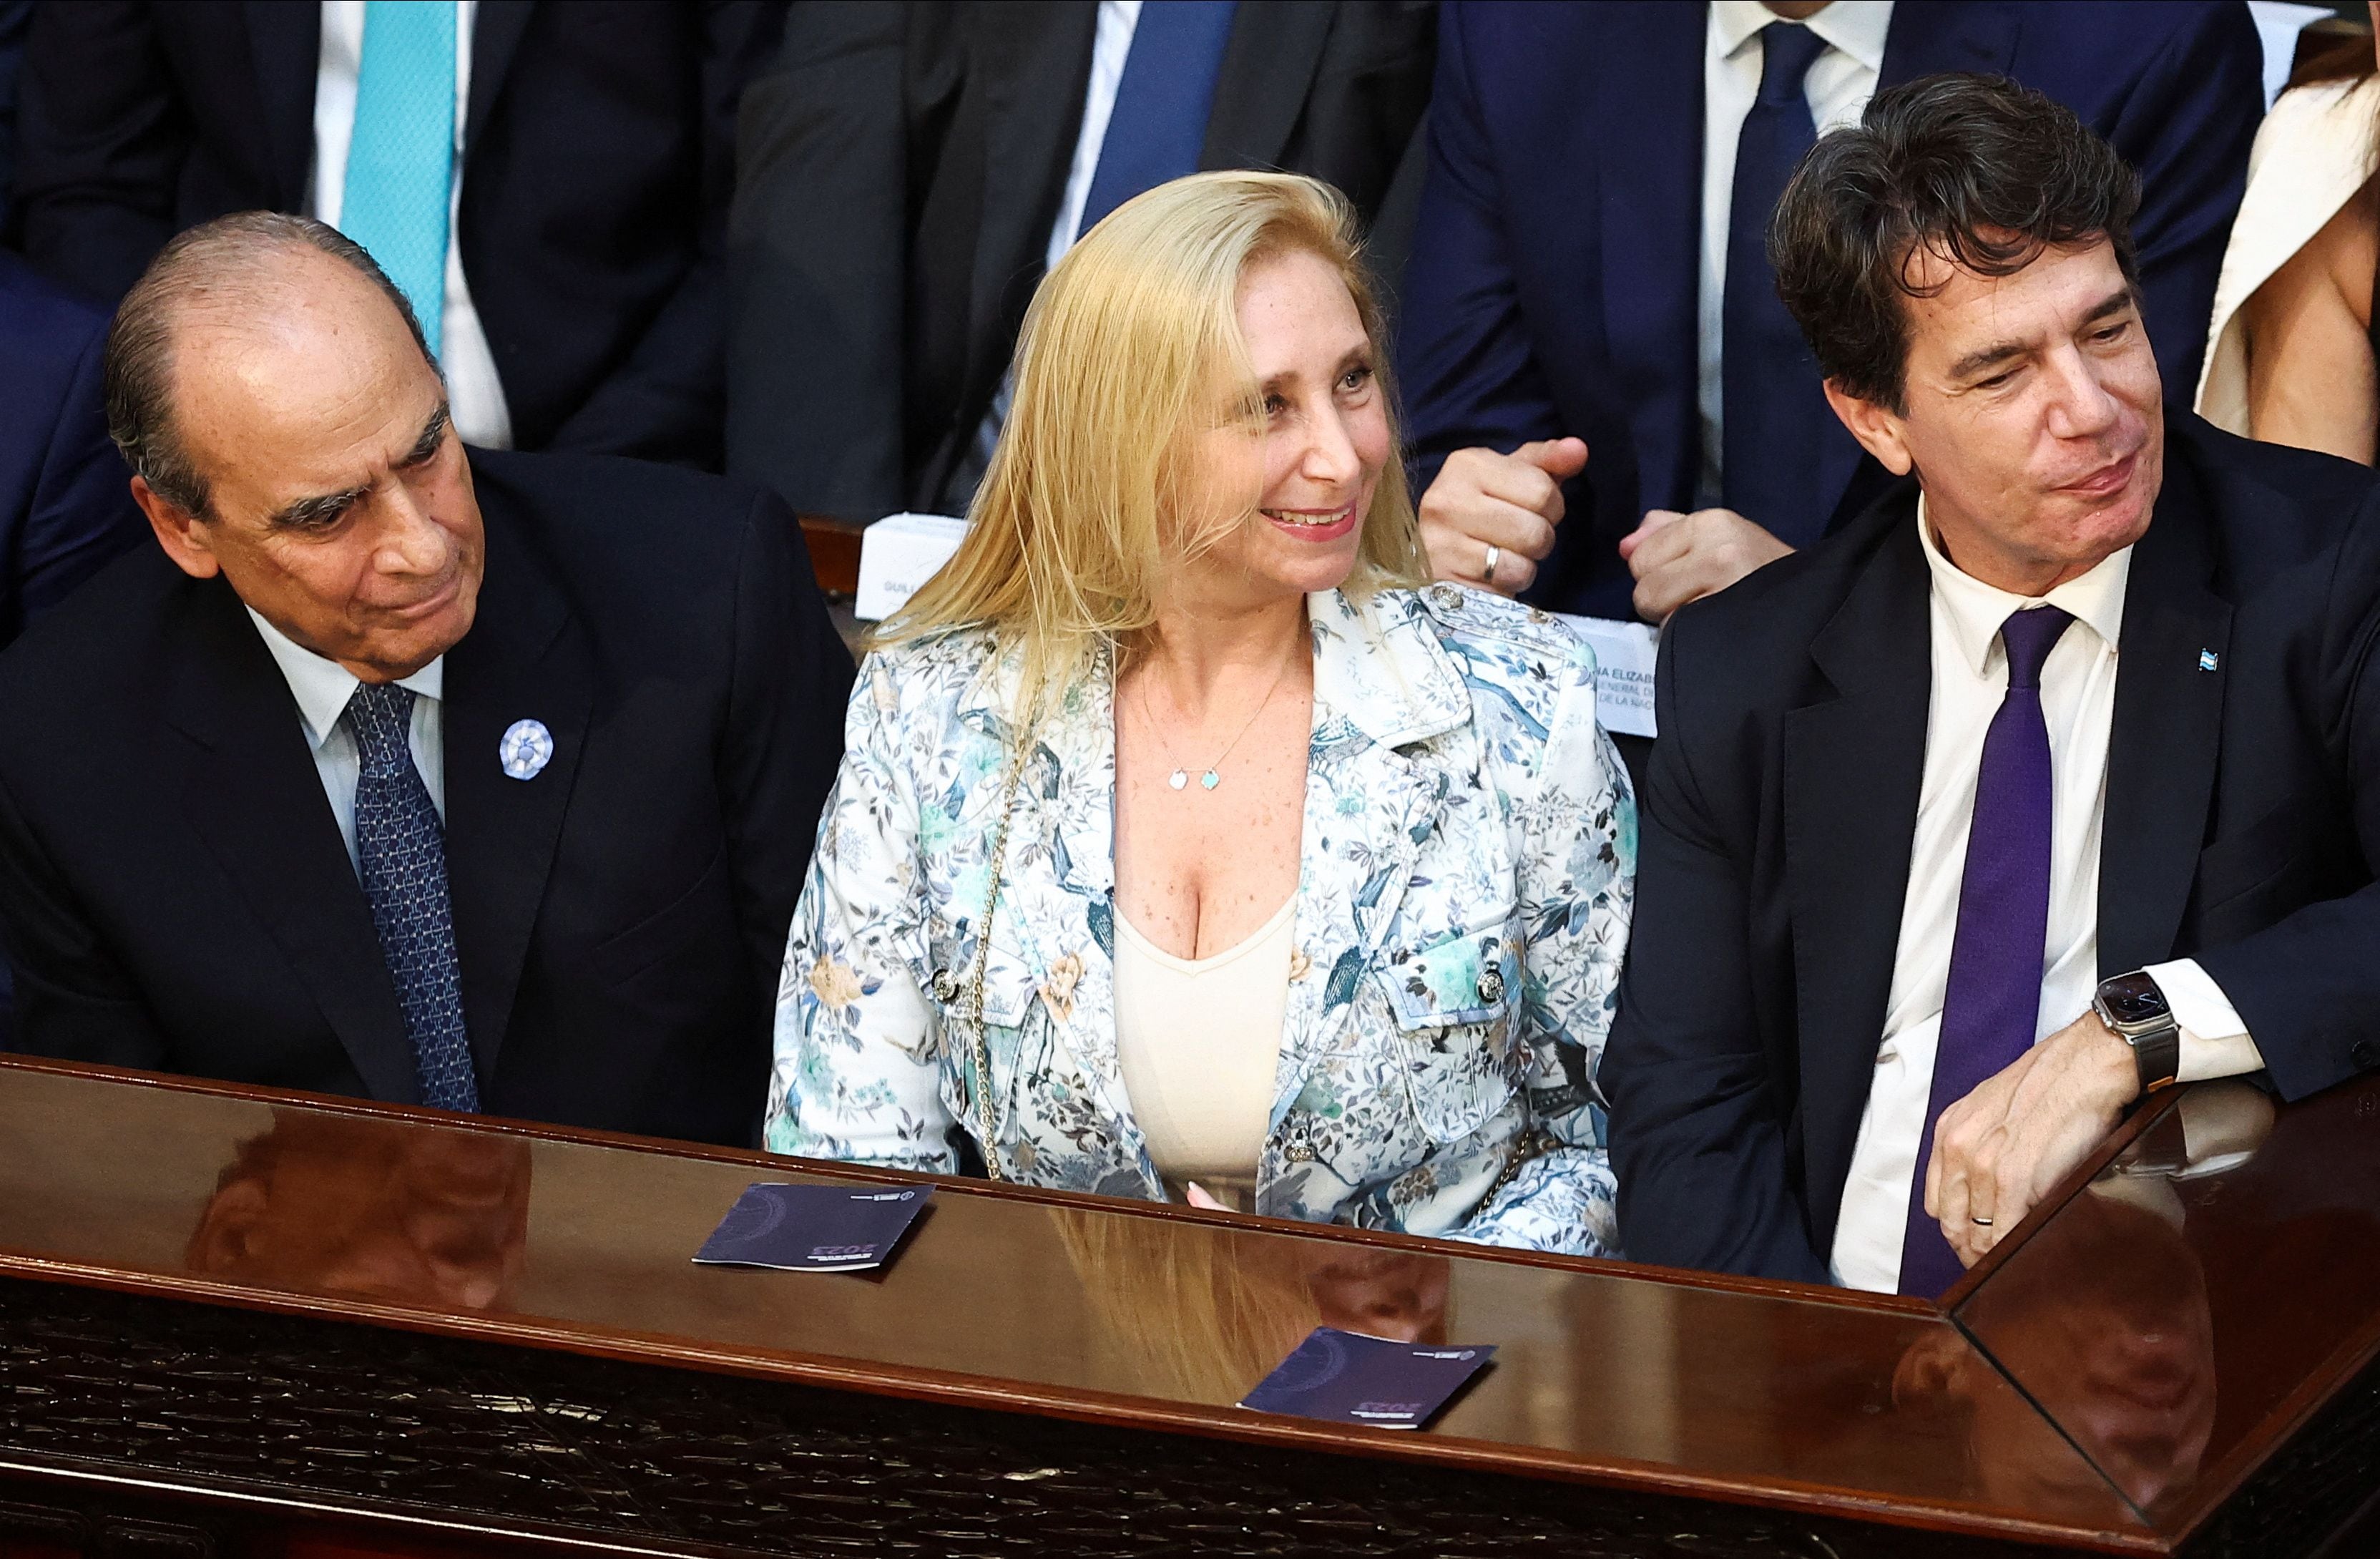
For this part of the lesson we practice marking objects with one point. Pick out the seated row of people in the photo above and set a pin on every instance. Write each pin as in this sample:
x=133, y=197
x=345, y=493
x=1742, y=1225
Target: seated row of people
x=1181, y=838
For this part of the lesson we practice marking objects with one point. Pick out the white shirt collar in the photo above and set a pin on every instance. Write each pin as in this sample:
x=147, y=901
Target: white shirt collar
x=322, y=687
x=1855, y=27
x=1976, y=610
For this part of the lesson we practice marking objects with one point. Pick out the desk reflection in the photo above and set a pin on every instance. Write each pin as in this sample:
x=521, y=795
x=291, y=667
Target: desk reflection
x=1205, y=1319
x=2119, y=1348
x=371, y=1208
x=2105, y=1315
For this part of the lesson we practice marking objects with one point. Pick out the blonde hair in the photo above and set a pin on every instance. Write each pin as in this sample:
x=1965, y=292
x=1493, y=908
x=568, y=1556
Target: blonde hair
x=1120, y=351
x=1202, y=1315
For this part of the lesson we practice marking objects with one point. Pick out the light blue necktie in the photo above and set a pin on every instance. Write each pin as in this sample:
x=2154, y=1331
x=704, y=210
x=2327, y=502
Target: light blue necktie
x=401, y=163
x=401, y=855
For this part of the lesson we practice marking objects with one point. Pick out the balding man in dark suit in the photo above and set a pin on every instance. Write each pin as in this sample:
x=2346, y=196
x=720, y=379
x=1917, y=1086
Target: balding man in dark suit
x=480, y=781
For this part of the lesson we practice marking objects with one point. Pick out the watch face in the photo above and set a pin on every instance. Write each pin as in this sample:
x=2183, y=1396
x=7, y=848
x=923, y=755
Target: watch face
x=2133, y=998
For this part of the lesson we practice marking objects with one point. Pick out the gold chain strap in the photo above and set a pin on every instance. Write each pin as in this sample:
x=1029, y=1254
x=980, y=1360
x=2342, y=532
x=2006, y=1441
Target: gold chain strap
x=983, y=1090
x=1532, y=1144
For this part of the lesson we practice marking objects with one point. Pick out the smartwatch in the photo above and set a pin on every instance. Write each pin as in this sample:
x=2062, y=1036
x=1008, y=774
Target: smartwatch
x=2133, y=1006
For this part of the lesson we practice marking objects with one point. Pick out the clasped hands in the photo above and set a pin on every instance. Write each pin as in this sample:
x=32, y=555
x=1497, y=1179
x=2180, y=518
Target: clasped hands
x=1490, y=519
x=1996, y=1151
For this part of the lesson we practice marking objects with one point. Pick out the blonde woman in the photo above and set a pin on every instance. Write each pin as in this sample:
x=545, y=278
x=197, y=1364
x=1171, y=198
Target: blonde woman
x=1186, y=842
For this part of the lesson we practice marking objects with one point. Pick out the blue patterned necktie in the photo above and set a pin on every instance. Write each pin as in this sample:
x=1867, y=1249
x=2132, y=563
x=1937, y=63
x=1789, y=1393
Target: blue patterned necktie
x=401, y=853
x=401, y=162
x=1773, y=413
x=1992, y=1002
x=1159, y=124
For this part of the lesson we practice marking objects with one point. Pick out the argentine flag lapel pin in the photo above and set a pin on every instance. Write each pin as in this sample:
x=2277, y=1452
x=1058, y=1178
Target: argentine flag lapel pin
x=2207, y=660
x=526, y=749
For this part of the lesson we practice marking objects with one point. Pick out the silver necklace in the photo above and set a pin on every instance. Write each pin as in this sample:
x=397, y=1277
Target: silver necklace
x=1180, y=777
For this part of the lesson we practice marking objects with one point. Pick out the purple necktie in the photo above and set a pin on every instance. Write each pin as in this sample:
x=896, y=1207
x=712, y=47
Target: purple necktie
x=1993, y=999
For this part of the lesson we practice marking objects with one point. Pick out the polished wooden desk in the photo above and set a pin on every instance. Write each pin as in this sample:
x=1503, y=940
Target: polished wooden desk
x=233, y=1322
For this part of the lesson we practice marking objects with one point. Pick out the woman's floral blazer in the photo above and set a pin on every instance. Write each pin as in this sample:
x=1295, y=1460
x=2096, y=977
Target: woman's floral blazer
x=1468, y=857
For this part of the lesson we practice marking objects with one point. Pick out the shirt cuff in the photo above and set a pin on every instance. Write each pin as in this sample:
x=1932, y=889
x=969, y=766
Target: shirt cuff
x=2215, y=1038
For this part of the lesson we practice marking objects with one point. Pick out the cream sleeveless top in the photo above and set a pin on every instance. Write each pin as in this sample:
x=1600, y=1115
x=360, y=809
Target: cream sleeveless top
x=1198, y=1040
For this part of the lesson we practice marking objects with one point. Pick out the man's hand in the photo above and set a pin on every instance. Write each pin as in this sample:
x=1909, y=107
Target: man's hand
x=1998, y=1149
x=1512, y=503
x=1680, y=558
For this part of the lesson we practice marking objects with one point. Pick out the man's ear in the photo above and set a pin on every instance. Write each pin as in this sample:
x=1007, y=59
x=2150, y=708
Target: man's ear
x=181, y=534
x=1876, y=426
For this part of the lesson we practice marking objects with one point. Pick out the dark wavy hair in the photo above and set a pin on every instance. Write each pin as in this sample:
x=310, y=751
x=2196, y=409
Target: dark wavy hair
x=1975, y=169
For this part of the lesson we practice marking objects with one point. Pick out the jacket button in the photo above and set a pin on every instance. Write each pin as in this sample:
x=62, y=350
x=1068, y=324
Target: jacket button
x=2365, y=1054
x=1446, y=597
x=1491, y=985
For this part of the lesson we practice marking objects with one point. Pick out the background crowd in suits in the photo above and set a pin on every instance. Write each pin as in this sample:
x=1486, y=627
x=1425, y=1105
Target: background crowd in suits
x=795, y=244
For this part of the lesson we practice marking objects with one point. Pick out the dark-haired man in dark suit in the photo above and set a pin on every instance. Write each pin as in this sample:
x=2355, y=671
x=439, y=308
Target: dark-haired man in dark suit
x=547, y=182
x=1590, y=323
x=907, y=172
x=480, y=781
x=2052, y=777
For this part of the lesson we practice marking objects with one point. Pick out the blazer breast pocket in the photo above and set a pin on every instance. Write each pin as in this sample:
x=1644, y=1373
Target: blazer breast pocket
x=702, y=909
x=2267, y=854
x=1455, y=999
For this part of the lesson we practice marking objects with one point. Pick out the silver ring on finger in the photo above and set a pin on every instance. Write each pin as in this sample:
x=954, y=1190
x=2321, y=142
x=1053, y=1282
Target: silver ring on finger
x=1488, y=570
x=1981, y=1222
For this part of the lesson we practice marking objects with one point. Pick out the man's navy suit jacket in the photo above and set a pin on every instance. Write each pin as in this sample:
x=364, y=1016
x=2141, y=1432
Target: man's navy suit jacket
x=2242, y=829
x=65, y=498
x=599, y=155
x=1553, y=281
x=175, y=894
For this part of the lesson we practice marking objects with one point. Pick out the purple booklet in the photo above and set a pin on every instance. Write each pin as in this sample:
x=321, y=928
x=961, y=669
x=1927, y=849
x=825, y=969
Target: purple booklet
x=1348, y=1378
x=814, y=1228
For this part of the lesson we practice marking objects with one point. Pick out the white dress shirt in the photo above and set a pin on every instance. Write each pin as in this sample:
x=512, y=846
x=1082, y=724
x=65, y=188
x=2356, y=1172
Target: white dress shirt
x=475, y=395
x=1840, y=81
x=1110, y=46
x=323, y=687
x=2078, y=702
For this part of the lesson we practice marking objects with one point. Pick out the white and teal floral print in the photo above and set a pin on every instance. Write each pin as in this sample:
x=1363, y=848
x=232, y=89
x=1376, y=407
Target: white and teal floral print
x=1468, y=858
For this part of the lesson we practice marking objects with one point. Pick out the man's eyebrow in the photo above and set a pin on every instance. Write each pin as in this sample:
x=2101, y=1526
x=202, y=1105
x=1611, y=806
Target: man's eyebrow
x=1999, y=352
x=2114, y=303
x=432, y=434
x=305, y=514
x=1985, y=356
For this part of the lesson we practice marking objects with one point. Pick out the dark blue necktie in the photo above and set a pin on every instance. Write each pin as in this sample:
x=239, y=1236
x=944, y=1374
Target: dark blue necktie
x=1773, y=414
x=401, y=855
x=1992, y=999
x=1159, y=122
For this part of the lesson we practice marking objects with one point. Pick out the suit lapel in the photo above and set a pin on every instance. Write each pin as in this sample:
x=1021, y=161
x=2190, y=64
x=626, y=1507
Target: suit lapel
x=1651, y=74
x=1381, y=683
x=523, y=660
x=285, y=46
x=1931, y=36
x=253, y=795
x=2168, y=724
x=1853, y=768
x=495, y=37
x=1039, y=64
x=1269, y=64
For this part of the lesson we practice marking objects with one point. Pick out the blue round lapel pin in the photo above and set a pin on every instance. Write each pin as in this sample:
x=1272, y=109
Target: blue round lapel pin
x=527, y=749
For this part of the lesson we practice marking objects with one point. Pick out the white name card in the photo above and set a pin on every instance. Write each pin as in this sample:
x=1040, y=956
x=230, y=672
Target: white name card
x=1625, y=657
x=899, y=554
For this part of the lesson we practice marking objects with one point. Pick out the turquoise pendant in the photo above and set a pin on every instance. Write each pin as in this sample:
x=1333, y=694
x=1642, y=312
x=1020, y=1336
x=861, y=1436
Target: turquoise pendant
x=1210, y=779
